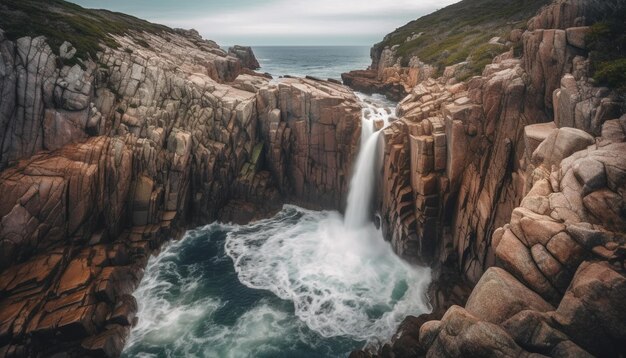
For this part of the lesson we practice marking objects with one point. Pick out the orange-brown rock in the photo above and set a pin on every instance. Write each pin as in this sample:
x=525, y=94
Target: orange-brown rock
x=104, y=162
x=532, y=184
x=312, y=130
x=367, y=81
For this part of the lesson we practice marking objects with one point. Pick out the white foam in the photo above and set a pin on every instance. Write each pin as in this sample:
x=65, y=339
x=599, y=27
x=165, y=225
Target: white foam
x=341, y=281
x=165, y=313
x=359, y=208
x=172, y=321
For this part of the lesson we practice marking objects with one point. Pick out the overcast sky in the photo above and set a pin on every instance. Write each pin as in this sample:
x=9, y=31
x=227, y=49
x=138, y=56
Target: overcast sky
x=279, y=22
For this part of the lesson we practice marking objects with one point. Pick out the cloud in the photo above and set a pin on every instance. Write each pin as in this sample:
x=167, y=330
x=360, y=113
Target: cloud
x=289, y=22
x=321, y=19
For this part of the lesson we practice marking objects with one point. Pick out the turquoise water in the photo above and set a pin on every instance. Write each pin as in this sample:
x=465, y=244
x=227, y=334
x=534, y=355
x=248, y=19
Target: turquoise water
x=318, y=61
x=300, y=284
x=296, y=285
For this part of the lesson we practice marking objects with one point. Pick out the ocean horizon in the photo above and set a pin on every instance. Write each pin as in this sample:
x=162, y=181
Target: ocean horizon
x=317, y=61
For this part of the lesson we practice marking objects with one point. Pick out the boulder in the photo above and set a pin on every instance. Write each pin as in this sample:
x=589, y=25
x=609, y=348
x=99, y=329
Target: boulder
x=534, y=331
x=246, y=56
x=576, y=36
x=499, y=296
x=516, y=258
x=592, y=312
x=460, y=334
x=559, y=145
x=535, y=134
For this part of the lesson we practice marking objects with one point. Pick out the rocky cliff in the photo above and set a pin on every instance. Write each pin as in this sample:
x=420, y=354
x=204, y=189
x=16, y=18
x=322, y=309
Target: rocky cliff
x=107, y=155
x=516, y=180
x=467, y=34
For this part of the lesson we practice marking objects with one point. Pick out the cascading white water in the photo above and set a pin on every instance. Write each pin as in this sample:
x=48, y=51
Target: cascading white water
x=301, y=284
x=362, y=185
x=358, y=208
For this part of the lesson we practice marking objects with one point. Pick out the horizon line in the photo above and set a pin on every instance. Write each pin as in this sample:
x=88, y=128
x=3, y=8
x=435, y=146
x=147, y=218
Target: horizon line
x=295, y=45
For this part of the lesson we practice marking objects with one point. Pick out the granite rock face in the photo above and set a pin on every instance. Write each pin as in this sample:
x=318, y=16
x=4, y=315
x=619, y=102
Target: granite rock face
x=563, y=14
x=312, y=138
x=464, y=155
x=515, y=179
x=104, y=160
x=388, y=76
x=367, y=81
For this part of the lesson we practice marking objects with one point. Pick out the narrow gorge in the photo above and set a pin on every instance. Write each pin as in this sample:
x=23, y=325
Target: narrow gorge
x=162, y=196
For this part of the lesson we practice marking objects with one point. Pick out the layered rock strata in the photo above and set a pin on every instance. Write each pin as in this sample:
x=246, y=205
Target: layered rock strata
x=104, y=160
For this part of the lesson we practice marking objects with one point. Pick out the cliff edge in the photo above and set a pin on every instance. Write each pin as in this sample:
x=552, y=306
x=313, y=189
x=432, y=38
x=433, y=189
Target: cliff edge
x=116, y=134
x=515, y=179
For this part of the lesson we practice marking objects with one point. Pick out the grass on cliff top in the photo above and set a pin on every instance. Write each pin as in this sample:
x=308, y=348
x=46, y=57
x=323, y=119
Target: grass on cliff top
x=455, y=33
x=61, y=21
x=607, y=45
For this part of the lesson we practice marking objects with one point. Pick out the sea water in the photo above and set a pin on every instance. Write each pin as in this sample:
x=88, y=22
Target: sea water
x=319, y=61
x=297, y=285
x=300, y=284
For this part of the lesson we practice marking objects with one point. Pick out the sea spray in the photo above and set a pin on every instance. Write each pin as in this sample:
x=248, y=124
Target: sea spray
x=342, y=281
x=298, y=284
x=303, y=283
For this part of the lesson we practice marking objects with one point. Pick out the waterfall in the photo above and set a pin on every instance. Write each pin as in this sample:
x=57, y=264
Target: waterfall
x=303, y=283
x=358, y=210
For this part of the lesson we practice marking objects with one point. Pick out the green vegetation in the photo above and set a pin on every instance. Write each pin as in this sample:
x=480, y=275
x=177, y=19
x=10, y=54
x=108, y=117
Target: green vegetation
x=60, y=21
x=482, y=56
x=461, y=32
x=607, y=45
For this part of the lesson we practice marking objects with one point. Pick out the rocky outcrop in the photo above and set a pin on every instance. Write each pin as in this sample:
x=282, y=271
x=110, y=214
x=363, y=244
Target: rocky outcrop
x=523, y=195
x=443, y=126
x=367, y=81
x=563, y=14
x=389, y=77
x=456, y=41
x=104, y=160
x=563, y=255
x=513, y=178
x=246, y=56
x=312, y=138
x=50, y=106
x=468, y=149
